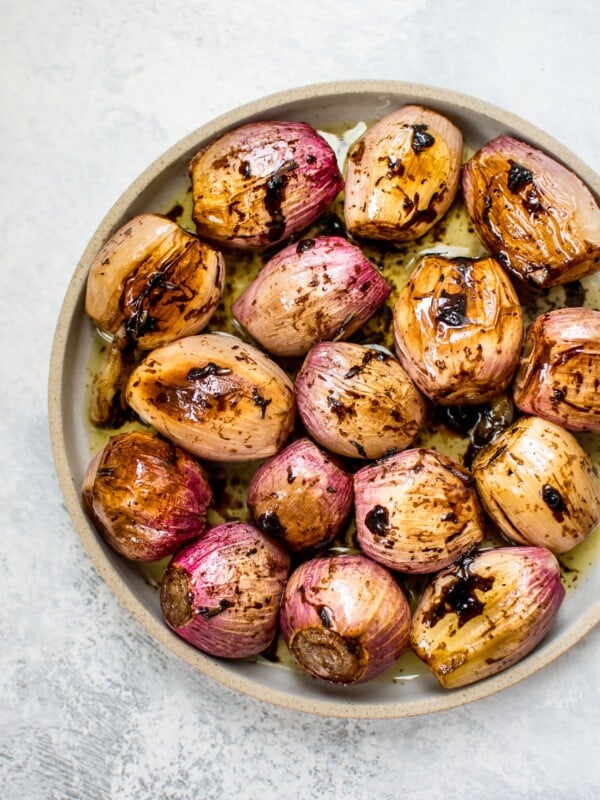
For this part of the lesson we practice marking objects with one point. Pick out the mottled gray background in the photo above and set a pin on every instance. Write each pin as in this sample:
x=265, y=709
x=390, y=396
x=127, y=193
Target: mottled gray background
x=91, y=93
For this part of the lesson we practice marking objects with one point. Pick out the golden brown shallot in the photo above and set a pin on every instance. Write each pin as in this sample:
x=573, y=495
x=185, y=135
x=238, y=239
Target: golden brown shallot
x=559, y=373
x=535, y=215
x=216, y=396
x=156, y=279
x=146, y=496
x=486, y=612
x=539, y=485
x=301, y=496
x=458, y=329
x=402, y=175
x=262, y=182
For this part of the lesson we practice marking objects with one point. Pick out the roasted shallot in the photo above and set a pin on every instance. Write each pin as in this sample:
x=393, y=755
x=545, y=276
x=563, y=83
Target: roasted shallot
x=311, y=291
x=301, y=495
x=458, y=329
x=216, y=396
x=532, y=213
x=344, y=618
x=358, y=401
x=486, y=612
x=259, y=183
x=222, y=593
x=559, y=373
x=539, y=485
x=402, y=175
x=146, y=496
x=416, y=511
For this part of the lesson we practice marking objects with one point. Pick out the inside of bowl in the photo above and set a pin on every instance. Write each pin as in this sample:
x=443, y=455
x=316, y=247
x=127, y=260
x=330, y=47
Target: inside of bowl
x=395, y=694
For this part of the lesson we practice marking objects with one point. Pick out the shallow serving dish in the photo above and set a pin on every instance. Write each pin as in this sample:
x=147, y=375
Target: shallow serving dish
x=405, y=691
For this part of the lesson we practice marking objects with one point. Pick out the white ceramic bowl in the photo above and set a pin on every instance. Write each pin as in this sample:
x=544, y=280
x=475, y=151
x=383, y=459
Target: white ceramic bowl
x=323, y=105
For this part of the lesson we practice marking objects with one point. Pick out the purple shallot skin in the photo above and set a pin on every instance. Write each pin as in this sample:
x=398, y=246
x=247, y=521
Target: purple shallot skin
x=301, y=495
x=222, y=593
x=416, y=511
x=262, y=182
x=344, y=618
x=314, y=290
x=358, y=401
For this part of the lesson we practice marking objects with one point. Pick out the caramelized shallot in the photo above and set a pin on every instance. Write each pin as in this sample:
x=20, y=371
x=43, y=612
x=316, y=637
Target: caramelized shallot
x=416, y=511
x=402, y=175
x=146, y=496
x=486, y=612
x=559, y=373
x=344, y=618
x=301, y=495
x=535, y=215
x=458, y=329
x=216, y=396
x=312, y=291
x=262, y=182
x=539, y=485
x=156, y=279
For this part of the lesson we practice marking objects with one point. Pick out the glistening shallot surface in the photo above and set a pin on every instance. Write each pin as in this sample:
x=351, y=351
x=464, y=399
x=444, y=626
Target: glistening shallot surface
x=416, y=511
x=532, y=213
x=539, y=485
x=312, y=291
x=216, y=396
x=344, y=618
x=402, y=175
x=262, y=182
x=486, y=612
x=222, y=593
x=458, y=329
x=358, y=401
x=146, y=496
x=301, y=495
x=559, y=371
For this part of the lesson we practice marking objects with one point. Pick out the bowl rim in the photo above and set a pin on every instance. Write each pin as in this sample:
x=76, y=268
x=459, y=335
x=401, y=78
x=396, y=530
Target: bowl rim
x=201, y=662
